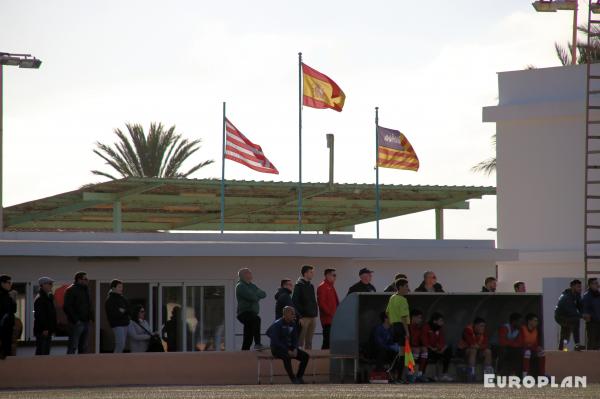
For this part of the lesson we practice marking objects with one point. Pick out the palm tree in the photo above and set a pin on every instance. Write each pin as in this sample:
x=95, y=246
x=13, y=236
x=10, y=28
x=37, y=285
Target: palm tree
x=489, y=165
x=586, y=53
x=161, y=153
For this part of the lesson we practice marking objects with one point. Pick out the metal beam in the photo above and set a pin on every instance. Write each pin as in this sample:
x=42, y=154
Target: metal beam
x=77, y=206
x=310, y=201
x=206, y=218
x=439, y=223
x=151, y=227
x=117, y=226
x=30, y=217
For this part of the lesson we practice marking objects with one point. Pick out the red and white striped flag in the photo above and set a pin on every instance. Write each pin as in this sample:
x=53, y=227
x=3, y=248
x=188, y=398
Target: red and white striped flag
x=239, y=149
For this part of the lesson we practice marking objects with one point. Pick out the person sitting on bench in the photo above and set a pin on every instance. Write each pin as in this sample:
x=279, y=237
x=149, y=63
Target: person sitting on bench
x=529, y=337
x=475, y=345
x=284, y=344
x=509, y=351
x=386, y=350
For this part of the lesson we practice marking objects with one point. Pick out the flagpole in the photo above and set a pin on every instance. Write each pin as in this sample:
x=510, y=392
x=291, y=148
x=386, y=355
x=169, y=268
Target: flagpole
x=377, y=208
x=223, y=175
x=299, y=143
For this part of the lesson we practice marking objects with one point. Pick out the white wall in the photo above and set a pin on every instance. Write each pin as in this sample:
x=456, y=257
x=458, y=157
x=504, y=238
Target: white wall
x=268, y=271
x=540, y=123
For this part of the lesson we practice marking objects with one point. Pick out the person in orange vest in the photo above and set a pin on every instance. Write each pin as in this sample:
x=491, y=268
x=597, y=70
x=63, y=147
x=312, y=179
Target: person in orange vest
x=475, y=344
x=530, y=342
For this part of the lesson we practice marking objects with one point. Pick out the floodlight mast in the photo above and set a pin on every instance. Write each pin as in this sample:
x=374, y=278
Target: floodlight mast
x=560, y=5
x=22, y=61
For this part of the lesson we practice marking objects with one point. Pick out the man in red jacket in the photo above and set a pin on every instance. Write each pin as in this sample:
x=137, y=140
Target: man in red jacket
x=435, y=341
x=328, y=301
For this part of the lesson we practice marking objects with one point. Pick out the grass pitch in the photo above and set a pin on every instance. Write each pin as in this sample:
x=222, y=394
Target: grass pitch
x=346, y=391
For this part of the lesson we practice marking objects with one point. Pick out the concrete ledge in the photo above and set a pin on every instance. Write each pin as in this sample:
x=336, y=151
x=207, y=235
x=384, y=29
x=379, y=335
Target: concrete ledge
x=563, y=364
x=196, y=368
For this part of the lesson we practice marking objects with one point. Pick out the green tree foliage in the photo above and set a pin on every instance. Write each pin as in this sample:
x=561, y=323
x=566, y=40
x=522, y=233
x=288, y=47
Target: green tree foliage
x=160, y=153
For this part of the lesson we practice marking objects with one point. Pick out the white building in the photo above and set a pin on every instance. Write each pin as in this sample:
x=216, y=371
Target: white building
x=196, y=273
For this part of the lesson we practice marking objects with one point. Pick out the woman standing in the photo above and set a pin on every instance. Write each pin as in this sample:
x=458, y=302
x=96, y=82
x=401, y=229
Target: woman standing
x=139, y=331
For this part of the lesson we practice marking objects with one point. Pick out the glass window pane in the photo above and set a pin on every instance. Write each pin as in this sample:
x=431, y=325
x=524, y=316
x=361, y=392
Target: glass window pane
x=205, y=318
x=19, y=329
x=172, y=300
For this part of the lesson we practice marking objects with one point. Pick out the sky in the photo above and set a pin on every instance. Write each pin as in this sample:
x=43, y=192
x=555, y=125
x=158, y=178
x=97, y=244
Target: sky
x=430, y=66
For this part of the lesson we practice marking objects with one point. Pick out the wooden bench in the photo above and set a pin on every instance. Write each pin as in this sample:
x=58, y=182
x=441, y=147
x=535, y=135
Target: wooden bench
x=269, y=357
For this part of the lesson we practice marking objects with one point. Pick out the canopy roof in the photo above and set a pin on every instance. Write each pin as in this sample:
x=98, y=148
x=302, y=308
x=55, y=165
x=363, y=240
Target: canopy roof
x=151, y=204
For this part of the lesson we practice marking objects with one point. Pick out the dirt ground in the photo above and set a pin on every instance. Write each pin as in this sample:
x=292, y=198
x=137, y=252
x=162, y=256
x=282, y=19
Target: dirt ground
x=346, y=391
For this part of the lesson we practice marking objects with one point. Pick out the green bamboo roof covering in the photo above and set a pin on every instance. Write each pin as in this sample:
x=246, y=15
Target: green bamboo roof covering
x=152, y=205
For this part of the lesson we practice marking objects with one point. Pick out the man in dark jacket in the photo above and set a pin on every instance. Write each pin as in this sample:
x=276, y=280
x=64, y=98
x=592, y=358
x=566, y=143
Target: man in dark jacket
x=283, y=297
x=385, y=349
x=78, y=308
x=364, y=285
x=591, y=314
x=8, y=307
x=305, y=302
x=392, y=286
x=284, y=344
x=429, y=283
x=248, y=295
x=568, y=314
x=117, y=313
x=44, y=317
x=489, y=284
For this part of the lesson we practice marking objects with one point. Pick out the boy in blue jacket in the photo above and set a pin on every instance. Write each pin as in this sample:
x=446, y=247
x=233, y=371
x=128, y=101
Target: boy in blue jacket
x=284, y=344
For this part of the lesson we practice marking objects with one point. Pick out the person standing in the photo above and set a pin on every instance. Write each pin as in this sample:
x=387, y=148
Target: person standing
x=78, y=308
x=364, y=285
x=305, y=302
x=117, y=313
x=248, y=295
x=489, y=285
x=591, y=314
x=519, y=286
x=284, y=344
x=328, y=301
x=568, y=314
x=398, y=314
x=392, y=286
x=429, y=283
x=44, y=317
x=8, y=308
x=283, y=297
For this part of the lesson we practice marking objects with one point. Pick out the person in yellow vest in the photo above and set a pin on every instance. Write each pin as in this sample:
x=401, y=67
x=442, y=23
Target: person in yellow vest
x=530, y=342
x=399, y=316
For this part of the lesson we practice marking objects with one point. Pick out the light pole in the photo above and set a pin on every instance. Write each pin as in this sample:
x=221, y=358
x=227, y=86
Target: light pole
x=559, y=5
x=22, y=61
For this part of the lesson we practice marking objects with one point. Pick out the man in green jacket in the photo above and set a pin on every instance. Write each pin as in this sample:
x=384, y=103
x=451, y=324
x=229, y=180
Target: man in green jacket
x=248, y=295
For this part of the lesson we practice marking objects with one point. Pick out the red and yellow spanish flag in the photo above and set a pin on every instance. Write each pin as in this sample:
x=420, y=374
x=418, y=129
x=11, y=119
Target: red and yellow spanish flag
x=394, y=150
x=320, y=91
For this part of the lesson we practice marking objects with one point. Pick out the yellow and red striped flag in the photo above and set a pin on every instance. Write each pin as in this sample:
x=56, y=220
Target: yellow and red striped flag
x=394, y=150
x=319, y=91
x=409, y=360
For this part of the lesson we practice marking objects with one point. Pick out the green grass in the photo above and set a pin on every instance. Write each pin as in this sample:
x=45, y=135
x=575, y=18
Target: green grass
x=436, y=391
